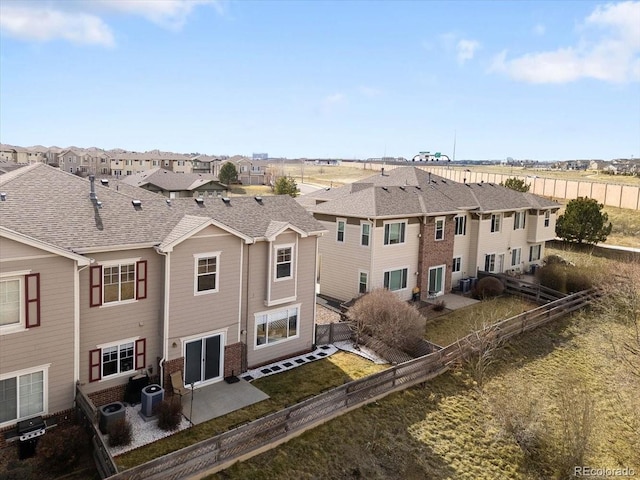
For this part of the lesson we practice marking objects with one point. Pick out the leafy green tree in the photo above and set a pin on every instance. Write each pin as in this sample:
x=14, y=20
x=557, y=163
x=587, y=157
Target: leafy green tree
x=583, y=222
x=286, y=186
x=516, y=184
x=228, y=173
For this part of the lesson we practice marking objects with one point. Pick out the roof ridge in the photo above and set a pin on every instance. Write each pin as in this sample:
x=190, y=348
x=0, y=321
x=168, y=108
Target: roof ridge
x=18, y=172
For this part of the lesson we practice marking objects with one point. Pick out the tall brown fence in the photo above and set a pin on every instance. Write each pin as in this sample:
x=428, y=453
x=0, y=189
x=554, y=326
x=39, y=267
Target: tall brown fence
x=219, y=452
x=332, y=332
x=88, y=414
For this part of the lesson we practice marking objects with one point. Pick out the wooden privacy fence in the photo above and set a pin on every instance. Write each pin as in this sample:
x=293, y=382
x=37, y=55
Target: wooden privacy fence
x=332, y=332
x=88, y=414
x=219, y=452
x=531, y=291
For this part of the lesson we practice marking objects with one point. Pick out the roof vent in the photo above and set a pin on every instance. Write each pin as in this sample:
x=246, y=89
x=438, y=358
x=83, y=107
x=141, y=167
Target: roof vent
x=99, y=203
x=137, y=204
x=258, y=199
x=199, y=201
x=444, y=181
x=226, y=200
x=3, y=196
x=104, y=182
x=168, y=201
x=479, y=184
x=402, y=188
x=385, y=189
x=418, y=187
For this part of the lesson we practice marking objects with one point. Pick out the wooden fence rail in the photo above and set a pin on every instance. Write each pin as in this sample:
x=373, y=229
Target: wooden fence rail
x=219, y=452
x=88, y=413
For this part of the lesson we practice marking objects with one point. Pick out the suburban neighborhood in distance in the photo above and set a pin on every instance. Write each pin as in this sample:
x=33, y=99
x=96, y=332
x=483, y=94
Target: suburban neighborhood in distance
x=319, y=240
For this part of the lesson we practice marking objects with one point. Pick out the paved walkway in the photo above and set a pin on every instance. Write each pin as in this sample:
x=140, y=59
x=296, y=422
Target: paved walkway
x=454, y=302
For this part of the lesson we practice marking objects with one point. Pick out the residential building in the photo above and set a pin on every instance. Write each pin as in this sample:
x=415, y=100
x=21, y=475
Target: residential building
x=251, y=172
x=99, y=284
x=406, y=228
x=176, y=185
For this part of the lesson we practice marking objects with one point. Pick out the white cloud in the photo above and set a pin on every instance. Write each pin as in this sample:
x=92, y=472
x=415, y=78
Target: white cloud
x=83, y=21
x=44, y=24
x=466, y=49
x=608, y=50
x=539, y=29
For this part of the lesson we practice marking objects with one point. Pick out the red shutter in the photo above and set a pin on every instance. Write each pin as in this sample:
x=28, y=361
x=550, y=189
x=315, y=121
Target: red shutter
x=141, y=353
x=95, y=370
x=141, y=279
x=32, y=299
x=95, y=286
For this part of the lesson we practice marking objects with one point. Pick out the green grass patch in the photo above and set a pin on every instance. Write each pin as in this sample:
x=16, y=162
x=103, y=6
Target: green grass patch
x=284, y=389
x=448, y=328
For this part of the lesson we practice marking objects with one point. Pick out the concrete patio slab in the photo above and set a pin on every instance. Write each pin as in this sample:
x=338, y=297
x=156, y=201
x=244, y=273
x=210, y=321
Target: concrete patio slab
x=454, y=302
x=219, y=399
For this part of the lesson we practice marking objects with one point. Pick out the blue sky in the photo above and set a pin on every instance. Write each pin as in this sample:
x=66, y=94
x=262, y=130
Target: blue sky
x=528, y=80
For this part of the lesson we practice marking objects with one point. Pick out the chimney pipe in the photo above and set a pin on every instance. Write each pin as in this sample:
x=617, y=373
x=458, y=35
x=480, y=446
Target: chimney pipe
x=382, y=172
x=92, y=195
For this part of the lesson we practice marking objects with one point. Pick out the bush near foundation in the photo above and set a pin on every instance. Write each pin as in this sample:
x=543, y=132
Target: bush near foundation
x=488, y=287
x=169, y=413
x=120, y=433
x=60, y=450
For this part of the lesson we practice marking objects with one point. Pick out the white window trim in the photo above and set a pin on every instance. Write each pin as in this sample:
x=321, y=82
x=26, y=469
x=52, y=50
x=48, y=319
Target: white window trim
x=344, y=232
x=360, y=272
x=45, y=388
x=21, y=326
x=522, y=223
x=459, y=257
x=199, y=256
x=395, y=270
x=547, y=218
x=499, y=223
x=117, y=344
x=113, y=263
x=463, y=219
x=444, y=278
x=267, y=312
x=518, y=249
x=435, y=233
x=384, y=232
x=362, y=224
x=275, y=261
x=495, y=260
x=539, y=245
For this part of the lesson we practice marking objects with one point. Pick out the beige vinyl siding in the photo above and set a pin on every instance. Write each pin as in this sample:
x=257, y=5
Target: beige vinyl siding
x=16, y=250
x=52, y=341
x=285, y=288
x=517, y=239
x=305, y=278
x=494, y=242
x=191, y=314
x=396, y=257
x=473, y=230
x=112, y=323
x=536, y=231
x=342, y=262
x=462, y=248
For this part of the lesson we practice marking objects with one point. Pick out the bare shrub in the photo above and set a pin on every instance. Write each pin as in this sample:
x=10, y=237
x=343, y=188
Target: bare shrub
x=553, y=276
x=478, y=351
x=554, y=260
x=381, y=314
x=488, y=287
x=169, y=413
x=439, y=306
x=578, y=280
x=59, y=451
x=120, y=433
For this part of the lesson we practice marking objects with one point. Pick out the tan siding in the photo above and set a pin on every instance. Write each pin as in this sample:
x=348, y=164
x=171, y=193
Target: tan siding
x=52, y=341
x=191, y=314
x=143, y=318
x=11, y=249
x=282, y=289
x=306, y=297
x=342, y=262
x=461, y=248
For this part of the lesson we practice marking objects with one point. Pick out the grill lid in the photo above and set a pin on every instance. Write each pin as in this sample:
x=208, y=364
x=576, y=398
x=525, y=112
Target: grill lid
x=31, y=425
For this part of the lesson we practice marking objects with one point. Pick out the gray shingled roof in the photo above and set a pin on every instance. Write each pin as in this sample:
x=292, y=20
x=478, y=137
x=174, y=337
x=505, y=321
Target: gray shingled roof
x=54, y=206
x=407, y=191
x=168, y=180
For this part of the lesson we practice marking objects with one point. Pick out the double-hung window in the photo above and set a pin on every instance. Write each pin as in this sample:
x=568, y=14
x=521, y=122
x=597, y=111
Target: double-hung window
x=340, y=227
x=439, y=228
x=519, y=220
x=515, y=257
x=460, y=225
x=117, y=358
x=495, y=222
x=490, y=262
x=395, y=279
x=207, y=268
x=363, y=282
x=457, y=264
x=117, y=282
x=277, y=326
x=365, y=234
x=547, y=218
x=284, y=262
x=19, y=301
x=394, y=233
x=23, y=394
x=534, y=253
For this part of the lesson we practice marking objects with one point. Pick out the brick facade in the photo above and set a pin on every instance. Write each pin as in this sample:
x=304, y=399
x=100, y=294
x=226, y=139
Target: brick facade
x=432, y=252
x=108, y=395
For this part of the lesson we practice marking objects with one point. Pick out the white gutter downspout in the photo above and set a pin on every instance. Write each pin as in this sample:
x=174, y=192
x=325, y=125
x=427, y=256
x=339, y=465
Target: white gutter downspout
x=165, y=326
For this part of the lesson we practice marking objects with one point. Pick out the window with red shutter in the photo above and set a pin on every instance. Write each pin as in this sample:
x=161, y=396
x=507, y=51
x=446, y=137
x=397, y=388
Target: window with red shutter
x=141, y=279
x=95, y=286
x=32, y=299
x=141, y=353
x=95, y=371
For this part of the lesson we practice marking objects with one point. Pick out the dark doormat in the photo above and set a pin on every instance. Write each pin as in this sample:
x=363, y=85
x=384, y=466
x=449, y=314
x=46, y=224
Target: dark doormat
x=232, y=379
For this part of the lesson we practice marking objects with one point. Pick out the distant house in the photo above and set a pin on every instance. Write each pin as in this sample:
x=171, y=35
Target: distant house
x=251, y=172
x=98, y=286
x=176, y=185
x=406, y=228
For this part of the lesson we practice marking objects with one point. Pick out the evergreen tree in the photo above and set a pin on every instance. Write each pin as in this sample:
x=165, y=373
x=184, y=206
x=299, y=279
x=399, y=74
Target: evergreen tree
x=583, y=222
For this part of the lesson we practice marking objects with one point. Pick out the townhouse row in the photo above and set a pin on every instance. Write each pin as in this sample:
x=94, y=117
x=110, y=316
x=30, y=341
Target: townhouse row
x=98, y=285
